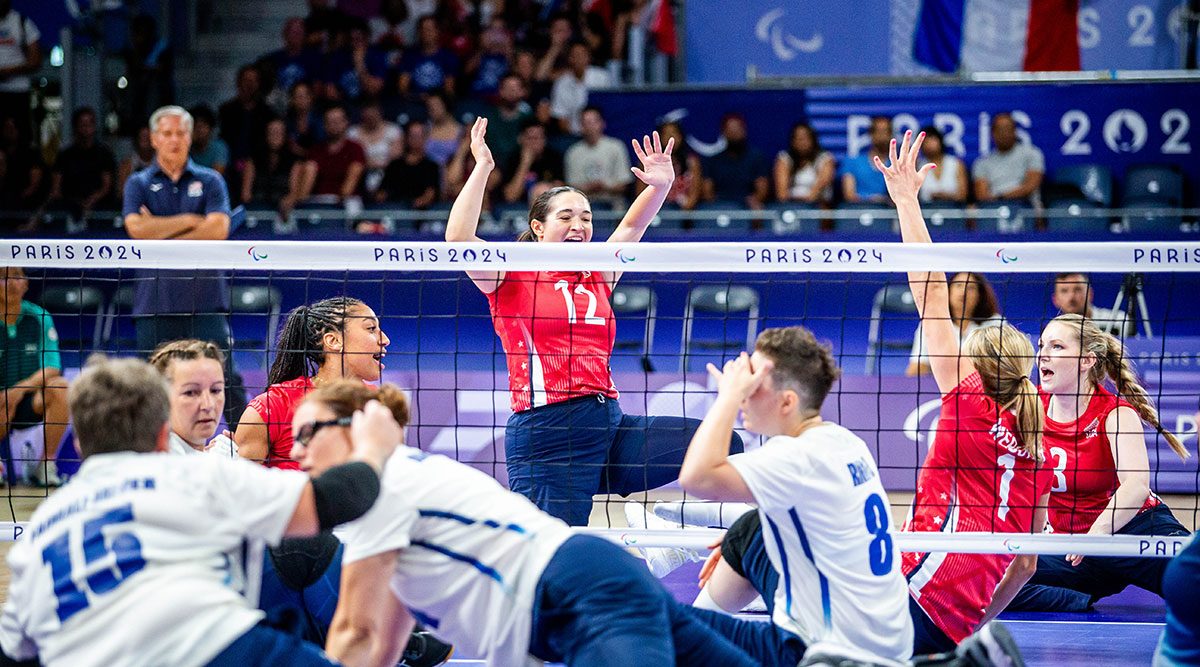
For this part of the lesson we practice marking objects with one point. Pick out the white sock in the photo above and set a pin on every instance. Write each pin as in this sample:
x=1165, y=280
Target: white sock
x=705, y=601
x=705, y=515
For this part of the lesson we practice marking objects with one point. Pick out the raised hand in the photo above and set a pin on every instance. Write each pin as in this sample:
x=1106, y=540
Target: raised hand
x=657, y=169
x=738, y=380
x=479, y=147
x=903, y=178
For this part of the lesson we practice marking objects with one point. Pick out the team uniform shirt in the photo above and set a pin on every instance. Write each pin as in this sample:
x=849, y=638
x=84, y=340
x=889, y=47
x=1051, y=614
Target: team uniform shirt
x=1085, y=475
x=470, y=552
x=30, y=343
x=557, y=329
x=135, y=560
x=222, y=445
x=976, y=478
x=277, y=405
x=826, y=522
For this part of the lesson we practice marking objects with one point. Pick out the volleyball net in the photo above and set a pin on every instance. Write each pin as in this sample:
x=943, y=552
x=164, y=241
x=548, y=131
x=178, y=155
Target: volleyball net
x=677, y=306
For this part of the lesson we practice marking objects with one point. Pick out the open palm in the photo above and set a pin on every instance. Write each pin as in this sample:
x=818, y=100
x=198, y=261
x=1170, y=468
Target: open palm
x=902, y=176
x=479, y=147
x=657, y=169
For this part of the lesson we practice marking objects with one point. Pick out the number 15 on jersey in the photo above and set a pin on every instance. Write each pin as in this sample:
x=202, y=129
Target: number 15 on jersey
x=110, y=555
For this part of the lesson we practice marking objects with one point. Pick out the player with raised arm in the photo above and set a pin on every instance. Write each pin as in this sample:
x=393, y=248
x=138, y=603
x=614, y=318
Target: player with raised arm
x=824, y=513
x=334, y=338
x=142, y=533
x=1096, y=447
x=568, y=439
x=501, y=579
x=982, y=472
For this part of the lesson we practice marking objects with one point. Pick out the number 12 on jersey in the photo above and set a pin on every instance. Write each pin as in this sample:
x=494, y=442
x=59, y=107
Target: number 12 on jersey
x=109, y=557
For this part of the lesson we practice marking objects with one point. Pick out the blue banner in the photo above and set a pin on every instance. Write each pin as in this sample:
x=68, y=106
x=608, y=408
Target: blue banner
x=733, y=42
x=730, y=42
x=1112, y=124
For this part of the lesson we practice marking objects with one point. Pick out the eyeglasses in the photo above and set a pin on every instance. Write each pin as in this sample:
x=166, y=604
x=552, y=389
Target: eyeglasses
x=306, y=433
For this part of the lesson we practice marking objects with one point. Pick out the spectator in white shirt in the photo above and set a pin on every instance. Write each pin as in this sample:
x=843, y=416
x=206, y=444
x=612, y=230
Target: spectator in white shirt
x=569, y=95
x=20, y=56
x=947, y=184
x=598, y=164
x=1013, y=171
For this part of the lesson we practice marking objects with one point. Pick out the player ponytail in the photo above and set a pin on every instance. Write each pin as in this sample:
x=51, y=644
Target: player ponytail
x=1002, y=357
x=344, y=397
x=300, y=350
x=541, y=208
x=1112, y=364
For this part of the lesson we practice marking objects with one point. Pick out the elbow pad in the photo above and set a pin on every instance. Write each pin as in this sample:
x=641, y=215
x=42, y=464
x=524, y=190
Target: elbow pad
x=345, y=493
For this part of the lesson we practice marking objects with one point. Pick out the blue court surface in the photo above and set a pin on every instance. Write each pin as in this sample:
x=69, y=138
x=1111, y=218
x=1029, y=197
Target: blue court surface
x=1123, y=630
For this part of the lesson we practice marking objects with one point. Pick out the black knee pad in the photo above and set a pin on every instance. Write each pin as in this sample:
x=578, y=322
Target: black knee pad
x=737, y=540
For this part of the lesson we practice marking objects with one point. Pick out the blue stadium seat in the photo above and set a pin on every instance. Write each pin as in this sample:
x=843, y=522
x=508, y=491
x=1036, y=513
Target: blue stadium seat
x=788, y=223
x=718, y=303
x=722, y=217
x=894, y=300
x=78, y=312
x=1094, y=183
x=632, y=299
x=1153, y=186
x=254, y=317
x=944, y=216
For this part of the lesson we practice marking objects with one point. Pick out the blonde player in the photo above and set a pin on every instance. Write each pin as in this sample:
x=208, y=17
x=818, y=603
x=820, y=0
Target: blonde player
x=129, y=563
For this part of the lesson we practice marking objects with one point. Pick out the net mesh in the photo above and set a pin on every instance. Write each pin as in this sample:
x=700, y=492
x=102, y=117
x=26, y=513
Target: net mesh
x=678, y=306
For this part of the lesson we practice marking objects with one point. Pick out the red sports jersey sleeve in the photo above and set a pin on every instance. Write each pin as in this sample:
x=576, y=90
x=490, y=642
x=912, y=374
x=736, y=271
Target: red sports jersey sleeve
x=277, y=406
x=557, y=329
x=976, y=478
x=1085, y=475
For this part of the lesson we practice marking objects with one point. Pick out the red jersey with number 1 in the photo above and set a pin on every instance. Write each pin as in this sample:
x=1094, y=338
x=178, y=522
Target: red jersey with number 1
x=1085, y=476
x=557, y=329
x=976, y=478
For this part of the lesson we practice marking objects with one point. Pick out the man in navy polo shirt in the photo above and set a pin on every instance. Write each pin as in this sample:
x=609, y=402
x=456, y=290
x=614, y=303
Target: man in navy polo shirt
x=174, y=198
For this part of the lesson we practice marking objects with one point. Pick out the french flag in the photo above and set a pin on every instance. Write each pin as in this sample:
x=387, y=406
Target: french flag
x=998, y=35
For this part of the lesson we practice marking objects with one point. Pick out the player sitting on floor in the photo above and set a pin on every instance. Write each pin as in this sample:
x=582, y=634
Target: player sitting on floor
x=1097, y=448
x=299, y=576
x=567, y=438
x=487, y=569
x=129, y=563
x=843, y=592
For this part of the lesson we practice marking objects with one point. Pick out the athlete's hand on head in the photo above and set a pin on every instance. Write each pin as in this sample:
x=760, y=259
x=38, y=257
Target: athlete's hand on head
x=375, y=433
x=902, y=176
x=738, y=379
x=657, y=169
x=479, y=147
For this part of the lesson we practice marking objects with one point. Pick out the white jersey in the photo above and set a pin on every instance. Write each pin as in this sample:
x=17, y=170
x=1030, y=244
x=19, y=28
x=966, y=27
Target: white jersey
x=132, y=562
x=470, y=552
x=826, y=526
x=222, y=445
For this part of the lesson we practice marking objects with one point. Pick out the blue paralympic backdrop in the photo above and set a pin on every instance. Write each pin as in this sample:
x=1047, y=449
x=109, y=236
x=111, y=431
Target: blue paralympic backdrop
x=1113, y=124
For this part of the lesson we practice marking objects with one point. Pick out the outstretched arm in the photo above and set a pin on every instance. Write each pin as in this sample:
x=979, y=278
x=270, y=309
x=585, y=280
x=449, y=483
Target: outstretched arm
x=464, y=214
x=929, y=289
x=657, y=173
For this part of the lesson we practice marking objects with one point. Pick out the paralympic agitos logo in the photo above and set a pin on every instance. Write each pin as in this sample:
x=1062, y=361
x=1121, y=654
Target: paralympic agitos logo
x=625, y=259
x=1006, y=259
x=258, y=256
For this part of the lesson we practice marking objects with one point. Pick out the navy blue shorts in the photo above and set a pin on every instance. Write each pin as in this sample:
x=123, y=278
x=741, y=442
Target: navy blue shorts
x=1057, y=586
x=267, y=647
x=619, y=615
x=560, y=455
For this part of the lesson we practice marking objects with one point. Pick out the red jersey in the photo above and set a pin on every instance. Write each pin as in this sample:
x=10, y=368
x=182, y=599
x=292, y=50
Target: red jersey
x=1085, y=476
x=277, y=405
x=976, y=478
x=557, y=329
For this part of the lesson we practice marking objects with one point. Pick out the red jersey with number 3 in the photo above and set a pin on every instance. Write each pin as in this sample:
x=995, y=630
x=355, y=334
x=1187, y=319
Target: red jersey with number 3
x=1085, y=475
x=557, y=329
x=976, y=478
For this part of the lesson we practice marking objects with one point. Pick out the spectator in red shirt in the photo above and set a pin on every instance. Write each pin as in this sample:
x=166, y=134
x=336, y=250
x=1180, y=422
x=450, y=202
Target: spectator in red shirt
x=335, y=167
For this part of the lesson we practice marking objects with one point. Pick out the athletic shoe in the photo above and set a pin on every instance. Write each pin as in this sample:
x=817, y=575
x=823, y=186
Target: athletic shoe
x=425, y=650
x=661, y=561
x=45, y=475
x=991, y=646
